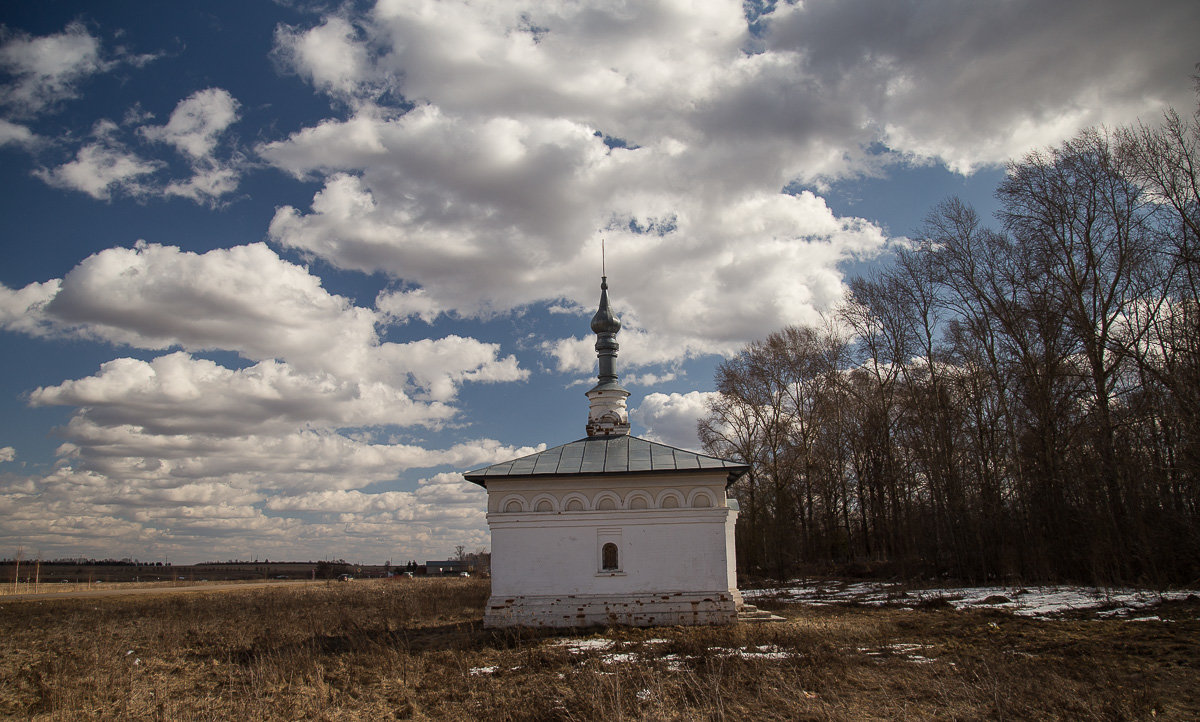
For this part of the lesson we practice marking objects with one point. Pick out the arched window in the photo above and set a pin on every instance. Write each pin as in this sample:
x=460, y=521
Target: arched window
x=574, y=505
x=512, y=506
x=544, y=505
x=608, y=558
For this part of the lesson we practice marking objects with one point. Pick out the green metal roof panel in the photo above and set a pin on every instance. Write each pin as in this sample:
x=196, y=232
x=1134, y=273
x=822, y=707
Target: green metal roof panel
x=662, y=457
x=548, y=461
x=523, y=466
x=639, y=455
x=616, y=458
x=500, y=469
x=593, y=457
x=572, y=459
x=603, y=455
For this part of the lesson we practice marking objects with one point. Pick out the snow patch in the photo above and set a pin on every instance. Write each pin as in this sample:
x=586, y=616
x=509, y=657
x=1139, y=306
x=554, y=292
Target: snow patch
x=1048, y=601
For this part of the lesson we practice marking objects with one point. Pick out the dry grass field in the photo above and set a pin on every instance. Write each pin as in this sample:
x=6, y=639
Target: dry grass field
x=416, y=650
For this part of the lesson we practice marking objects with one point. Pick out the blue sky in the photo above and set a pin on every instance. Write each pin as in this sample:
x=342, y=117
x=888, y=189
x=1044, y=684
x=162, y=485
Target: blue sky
x=274, y=274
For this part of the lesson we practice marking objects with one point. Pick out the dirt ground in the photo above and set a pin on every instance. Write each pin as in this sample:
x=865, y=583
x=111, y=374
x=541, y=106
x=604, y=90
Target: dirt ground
x=380, y=650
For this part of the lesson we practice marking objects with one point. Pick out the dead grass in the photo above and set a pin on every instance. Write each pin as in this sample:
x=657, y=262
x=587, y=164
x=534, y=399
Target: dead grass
x=416, y=650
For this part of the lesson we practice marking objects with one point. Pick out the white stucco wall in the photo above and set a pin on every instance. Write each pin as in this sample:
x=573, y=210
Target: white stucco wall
x=659, y=551
x=662, y=551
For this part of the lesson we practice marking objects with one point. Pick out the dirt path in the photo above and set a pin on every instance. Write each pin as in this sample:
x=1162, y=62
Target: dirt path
x=203, y=587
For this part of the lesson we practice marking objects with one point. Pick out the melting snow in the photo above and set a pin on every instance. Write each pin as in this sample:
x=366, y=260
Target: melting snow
x=765, y=651
x=906, y=651
x=1022, y=601
x=578, y=646
x=674, y=661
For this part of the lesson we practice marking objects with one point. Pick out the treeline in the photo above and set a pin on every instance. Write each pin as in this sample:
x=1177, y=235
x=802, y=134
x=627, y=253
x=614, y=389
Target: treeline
x=1011, y=403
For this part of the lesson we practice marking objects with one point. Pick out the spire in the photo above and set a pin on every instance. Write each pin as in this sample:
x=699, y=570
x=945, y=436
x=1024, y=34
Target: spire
x=606, y=411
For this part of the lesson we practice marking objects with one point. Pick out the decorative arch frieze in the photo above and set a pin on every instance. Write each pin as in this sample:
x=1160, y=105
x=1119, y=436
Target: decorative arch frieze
x=638, y=500
x=575, y=502
x=512, y=504
x=607, y=501
x=544, y=503
x=669, y=499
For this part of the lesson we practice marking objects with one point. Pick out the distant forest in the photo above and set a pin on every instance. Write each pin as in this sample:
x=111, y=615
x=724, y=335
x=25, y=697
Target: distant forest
x=1016, y=403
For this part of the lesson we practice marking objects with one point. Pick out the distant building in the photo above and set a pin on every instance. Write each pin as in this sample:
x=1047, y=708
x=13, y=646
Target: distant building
x=611, y=528
x=445, y=568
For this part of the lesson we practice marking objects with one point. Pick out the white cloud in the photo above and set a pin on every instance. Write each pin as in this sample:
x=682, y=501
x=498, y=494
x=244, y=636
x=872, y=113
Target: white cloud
x=197, y=123
x=179, y=448
x=195, y=129
x=47, y=69
x=526, y=135
x=209, y=182
x=24, y=310
x=102, y=167
x=106, y=166
x=179, y=394
x=294, y=496
x=83, y=513
x=647, y=379
x=291, y=461
x=329, y=56
x=670, y=129
x=247, y=300
x=7, y=453
x=16, y=134
x=485, y=224
x=672, y=418
x=179, y=501
x=970, y=85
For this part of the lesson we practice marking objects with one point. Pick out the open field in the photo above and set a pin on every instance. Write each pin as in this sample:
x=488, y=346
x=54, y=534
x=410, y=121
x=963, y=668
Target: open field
x=415, y=649
x=115, y=589
x=43, y=577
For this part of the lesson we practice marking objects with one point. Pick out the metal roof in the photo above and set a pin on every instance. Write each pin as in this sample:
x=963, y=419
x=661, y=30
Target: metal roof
x=606, y=455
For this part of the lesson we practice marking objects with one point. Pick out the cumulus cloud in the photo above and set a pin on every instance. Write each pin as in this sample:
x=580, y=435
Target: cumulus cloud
x=15, y=134
x=177, y=394
x=46, y=70
x=672, y=418
x=288, y=462
x=102, y=167
x=971, y=85
x=672, y=132
x=477, y=155
x=195, y=129
x=7, y=453
x=197, y=122
x=330, y=56
x=248, y=300
x=292, y=495
x=180, y=447
x=535, y=135
x=77, y=512
x=107, y=166
x=485, y=225
x=23, y=310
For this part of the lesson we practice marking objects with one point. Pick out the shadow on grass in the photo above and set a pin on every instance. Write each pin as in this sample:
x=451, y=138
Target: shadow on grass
x=464, y=636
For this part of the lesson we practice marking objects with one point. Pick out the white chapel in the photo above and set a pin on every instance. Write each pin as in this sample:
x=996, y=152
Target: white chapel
x=611, y=529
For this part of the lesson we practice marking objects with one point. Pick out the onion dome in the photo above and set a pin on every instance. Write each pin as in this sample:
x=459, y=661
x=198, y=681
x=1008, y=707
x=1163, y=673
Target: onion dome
x=605, y=321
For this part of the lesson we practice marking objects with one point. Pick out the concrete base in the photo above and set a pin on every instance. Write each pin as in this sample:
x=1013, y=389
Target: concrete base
x=637, y=610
